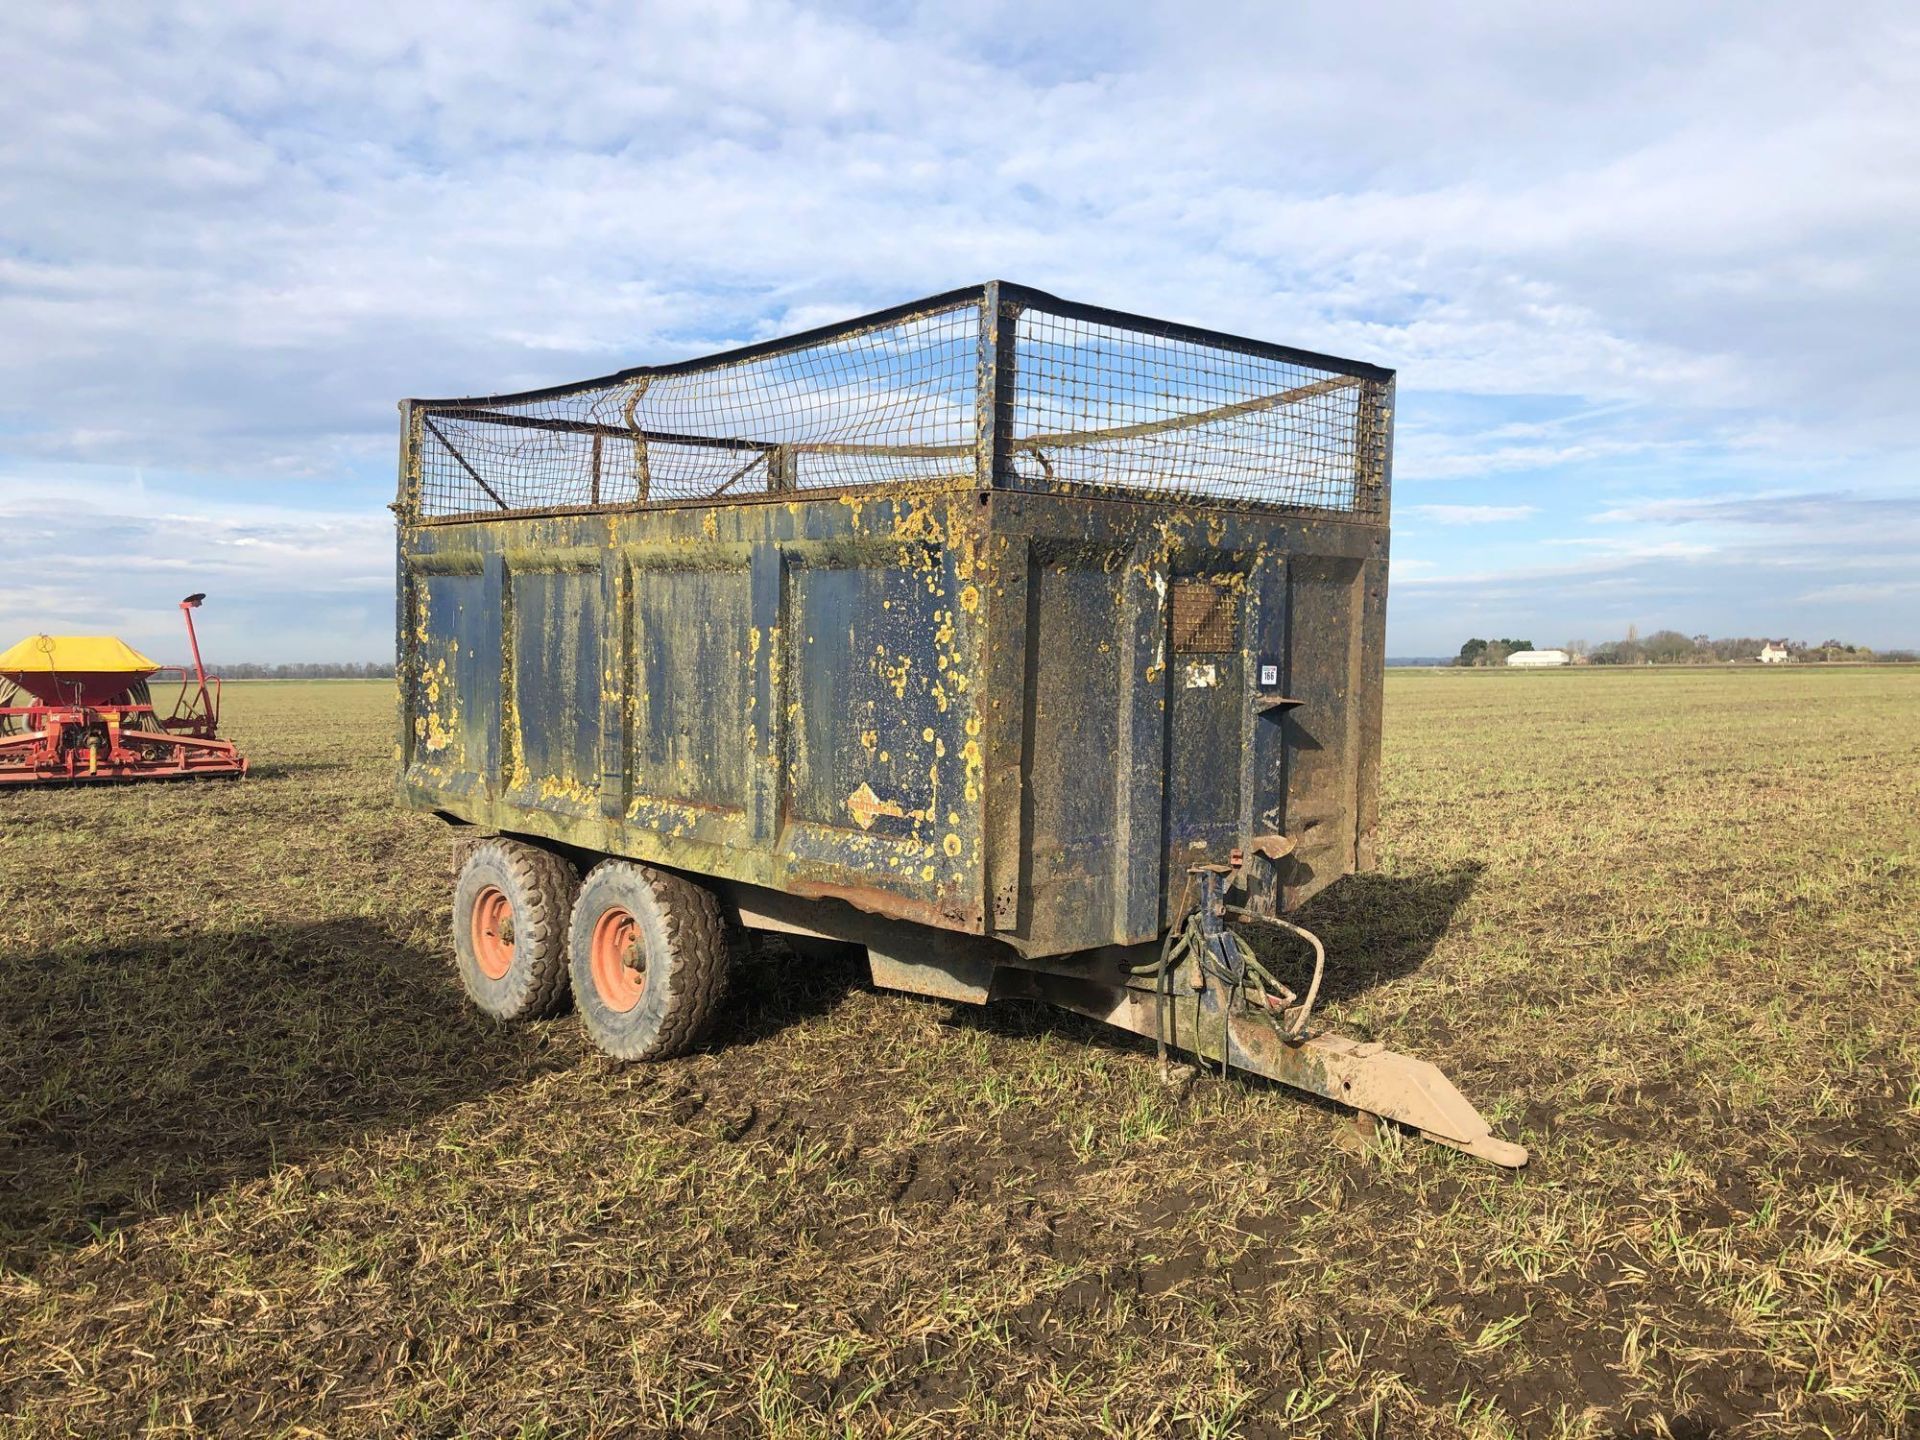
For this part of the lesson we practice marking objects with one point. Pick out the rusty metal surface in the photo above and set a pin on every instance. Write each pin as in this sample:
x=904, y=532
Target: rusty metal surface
x=778, y=694
x=936, y=972
x=1137, y=762
x=967, y=698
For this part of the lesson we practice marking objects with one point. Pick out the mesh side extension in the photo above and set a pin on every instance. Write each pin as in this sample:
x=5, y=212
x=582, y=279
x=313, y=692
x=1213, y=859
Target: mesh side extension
x=875, y=406
x=1108, y=407
x=1048, y=396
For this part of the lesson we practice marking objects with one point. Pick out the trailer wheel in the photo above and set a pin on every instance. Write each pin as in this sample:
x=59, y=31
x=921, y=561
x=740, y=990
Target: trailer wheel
x=649, y=957
x=510, y=908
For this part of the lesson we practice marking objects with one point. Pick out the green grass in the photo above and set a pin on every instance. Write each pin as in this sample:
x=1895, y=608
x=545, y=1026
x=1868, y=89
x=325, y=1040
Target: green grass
x=262, y=1172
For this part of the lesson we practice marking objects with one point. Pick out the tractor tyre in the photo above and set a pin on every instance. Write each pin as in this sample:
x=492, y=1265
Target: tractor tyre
x=649, y=956
x=510, y=908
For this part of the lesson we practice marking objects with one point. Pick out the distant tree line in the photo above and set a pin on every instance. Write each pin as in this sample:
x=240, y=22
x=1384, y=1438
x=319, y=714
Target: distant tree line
x=1490, y=652
x=1670, y=647
x=348, y=670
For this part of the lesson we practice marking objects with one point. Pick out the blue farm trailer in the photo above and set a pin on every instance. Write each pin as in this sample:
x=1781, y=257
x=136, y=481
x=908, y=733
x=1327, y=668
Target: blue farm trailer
x=1035, y=647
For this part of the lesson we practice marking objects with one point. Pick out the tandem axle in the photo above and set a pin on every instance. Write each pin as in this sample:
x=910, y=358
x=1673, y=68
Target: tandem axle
x=643, y=953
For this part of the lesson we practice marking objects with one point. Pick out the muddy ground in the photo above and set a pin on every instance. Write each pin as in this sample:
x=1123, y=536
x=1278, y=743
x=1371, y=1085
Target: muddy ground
x=263, y=1173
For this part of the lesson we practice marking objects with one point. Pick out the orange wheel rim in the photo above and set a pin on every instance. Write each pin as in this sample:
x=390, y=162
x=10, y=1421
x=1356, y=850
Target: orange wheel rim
x=493, y=932
x=619, y=960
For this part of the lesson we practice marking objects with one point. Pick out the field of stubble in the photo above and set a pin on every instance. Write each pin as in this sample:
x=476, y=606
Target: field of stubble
x=262, y=1172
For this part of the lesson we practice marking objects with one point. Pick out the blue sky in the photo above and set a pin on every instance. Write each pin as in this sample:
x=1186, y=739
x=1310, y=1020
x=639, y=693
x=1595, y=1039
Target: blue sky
x=1648, y=272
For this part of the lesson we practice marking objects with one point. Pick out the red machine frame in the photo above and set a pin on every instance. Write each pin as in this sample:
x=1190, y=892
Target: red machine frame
x=86, y=736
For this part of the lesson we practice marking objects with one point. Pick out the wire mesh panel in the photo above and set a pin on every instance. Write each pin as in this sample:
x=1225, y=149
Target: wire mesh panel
x=874, y=405
x=1079, y=400
x=1158, y=410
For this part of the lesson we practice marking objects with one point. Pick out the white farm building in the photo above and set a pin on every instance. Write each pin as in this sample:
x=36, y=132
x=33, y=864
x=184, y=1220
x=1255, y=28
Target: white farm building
x=1538, y=659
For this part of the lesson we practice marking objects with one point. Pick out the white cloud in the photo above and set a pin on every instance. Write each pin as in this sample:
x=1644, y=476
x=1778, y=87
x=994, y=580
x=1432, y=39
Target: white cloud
x=1823, y=511
x=1479, y=455
x=1638, y=549
x=1534, y=573
x=230, y=239
x=283, y=583
x=1853, y=592
x=1473, y=514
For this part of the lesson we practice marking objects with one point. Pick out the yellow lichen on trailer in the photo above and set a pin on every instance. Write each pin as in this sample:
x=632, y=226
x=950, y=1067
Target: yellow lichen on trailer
x=896, y=675
x=922, y=521
x=970, y=755
x=564, y=787
x=434, y=727
x=433, y=733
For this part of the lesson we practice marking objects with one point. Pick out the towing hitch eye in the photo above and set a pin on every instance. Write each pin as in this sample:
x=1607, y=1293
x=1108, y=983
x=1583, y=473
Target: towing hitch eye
x=1212, y=997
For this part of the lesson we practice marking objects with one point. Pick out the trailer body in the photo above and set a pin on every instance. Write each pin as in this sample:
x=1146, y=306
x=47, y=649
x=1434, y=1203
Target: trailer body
x=1029, y=645
x=967, y=690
